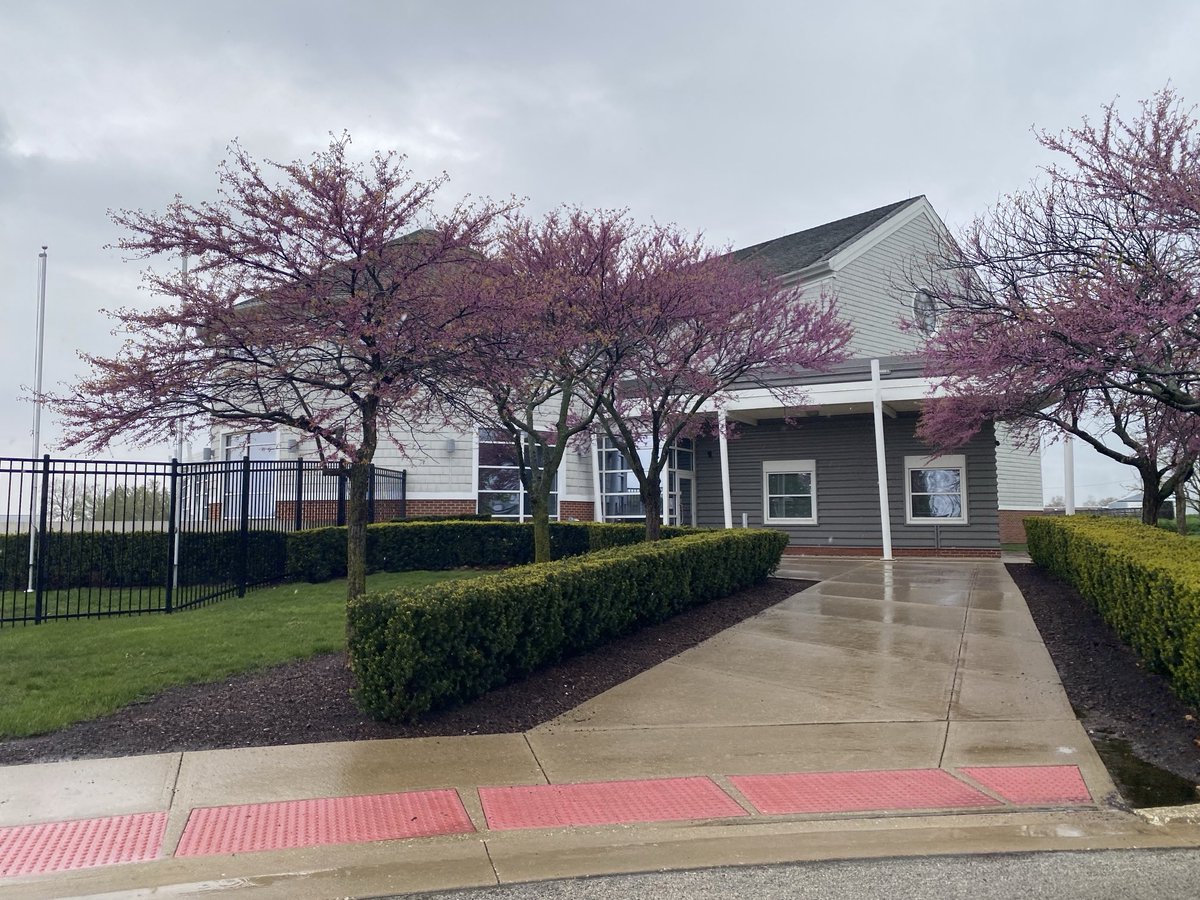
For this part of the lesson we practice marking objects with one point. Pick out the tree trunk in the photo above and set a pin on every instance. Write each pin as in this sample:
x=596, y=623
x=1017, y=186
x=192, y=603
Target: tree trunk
x=356, y=531
x=541, y=524
x=652, y=503
x=1181, y=522
x=1151, y=502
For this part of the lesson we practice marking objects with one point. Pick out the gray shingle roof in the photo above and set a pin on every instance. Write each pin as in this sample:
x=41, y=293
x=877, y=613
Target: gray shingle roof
x=792, y=252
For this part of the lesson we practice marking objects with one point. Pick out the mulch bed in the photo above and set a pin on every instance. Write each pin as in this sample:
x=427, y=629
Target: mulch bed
x=1112, y=693
x=308, y=701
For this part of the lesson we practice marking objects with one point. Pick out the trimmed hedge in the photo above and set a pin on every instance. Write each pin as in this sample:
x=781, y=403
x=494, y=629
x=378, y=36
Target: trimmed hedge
x=1145, y=583
x=319, y=554
x=443, y=645
x=139, y=558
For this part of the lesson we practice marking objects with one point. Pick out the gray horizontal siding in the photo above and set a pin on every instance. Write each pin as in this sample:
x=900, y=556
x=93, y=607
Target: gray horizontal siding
x=843, y=448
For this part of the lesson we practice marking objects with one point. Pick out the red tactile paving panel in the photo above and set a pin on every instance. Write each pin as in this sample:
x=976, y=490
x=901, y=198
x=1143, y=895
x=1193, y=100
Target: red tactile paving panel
x=606, y=803
x=59, y=846
x=313, y=823
x=834, y=792
x=1033, y=785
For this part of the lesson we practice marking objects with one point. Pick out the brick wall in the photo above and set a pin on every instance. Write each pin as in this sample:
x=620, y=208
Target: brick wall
x=441, y=507
x=1012, y=531
x=326, y=510
x=580, y=510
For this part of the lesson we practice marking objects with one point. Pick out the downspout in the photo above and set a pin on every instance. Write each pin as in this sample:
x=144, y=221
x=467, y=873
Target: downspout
x=885, y=513
x=726, y=497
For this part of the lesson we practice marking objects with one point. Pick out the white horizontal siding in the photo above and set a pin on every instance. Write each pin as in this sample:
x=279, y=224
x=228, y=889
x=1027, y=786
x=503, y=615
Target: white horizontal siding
x=1018, y=473
x=873, y=295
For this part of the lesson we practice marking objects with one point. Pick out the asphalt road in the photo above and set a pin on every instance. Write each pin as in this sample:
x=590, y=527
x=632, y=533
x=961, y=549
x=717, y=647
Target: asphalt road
x=1124, y=874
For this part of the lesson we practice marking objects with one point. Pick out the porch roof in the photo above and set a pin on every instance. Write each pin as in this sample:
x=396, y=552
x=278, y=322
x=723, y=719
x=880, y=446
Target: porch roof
x=845, y=389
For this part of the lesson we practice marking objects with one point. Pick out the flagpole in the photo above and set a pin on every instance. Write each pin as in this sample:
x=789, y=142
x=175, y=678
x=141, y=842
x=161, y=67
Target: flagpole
x=40, y=340
x=183, y=273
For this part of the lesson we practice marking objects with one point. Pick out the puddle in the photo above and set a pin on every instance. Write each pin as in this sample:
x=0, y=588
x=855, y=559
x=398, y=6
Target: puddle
x=1142, y=784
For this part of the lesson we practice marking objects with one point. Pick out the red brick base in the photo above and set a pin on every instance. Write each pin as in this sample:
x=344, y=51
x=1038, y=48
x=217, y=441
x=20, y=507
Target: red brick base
x=1012, y=531
x=577, y=510
x=440, y=508
x=877, y=552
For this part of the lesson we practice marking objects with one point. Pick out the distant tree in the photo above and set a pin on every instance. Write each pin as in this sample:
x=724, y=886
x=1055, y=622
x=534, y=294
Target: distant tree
x=141, y=503
x=696, y=325
x=321, y=299
x=1080, y=297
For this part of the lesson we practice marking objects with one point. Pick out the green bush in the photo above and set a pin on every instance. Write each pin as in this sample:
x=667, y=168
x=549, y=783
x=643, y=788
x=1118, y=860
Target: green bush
x=1145, y=582
x=138, y=558
x=448, y=517
x=412, y=652
x=319, y=554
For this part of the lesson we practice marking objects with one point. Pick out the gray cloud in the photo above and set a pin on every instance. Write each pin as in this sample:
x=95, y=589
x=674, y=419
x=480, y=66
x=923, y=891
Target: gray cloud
x=746, y=124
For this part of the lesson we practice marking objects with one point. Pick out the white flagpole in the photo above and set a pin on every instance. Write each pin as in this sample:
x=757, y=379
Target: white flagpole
x=183, y=271
x=39, y=342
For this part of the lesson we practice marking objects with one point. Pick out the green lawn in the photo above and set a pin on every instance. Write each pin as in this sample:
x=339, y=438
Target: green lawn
x=62, y=672
x=85, y=599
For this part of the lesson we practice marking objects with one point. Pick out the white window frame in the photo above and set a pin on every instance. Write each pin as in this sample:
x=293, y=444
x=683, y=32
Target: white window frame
x=788, y=466
x=936, y=462
x=524, y=511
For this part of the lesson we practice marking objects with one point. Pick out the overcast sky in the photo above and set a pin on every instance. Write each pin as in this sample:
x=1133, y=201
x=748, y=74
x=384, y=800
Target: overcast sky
x=746, y=121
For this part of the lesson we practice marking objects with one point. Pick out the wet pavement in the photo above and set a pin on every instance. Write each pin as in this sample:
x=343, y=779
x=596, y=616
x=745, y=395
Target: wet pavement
x=882, y=678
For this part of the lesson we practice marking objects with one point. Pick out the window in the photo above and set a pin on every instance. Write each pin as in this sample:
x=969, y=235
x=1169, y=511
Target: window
x=621, y=493
x=925, y=312
x=935, y=490
x=790, y=492
x=498, y=479
x=263, y=448
x=618, y=485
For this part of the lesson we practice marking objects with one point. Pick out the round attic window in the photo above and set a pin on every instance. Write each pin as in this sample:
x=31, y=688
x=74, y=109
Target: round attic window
x=925, y=312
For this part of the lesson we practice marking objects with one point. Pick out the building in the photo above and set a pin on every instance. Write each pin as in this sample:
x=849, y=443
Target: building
x=812, y=471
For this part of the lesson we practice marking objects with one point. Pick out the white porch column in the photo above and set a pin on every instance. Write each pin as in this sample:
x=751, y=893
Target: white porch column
x=885, y=513
x=664, y=485
x=597, y=497
x=726, y=497
x=1069, y=475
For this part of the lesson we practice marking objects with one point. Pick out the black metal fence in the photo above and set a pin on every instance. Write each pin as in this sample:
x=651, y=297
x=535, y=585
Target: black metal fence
x=86, y=539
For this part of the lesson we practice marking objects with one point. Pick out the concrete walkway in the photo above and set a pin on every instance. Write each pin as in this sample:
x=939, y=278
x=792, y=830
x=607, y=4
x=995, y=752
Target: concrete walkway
x=923, y=669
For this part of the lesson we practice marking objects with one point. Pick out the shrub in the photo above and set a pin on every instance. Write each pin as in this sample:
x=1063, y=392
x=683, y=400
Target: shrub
x=413, y=651
x=320, y=553
x=448, y=517
x=1145, y=583
x=137, y=558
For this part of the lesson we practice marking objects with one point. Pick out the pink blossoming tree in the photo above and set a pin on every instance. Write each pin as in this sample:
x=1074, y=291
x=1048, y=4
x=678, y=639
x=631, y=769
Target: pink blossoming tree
x=698, y=325
x=321, y=298
x=556, y=287
x=1077, y=301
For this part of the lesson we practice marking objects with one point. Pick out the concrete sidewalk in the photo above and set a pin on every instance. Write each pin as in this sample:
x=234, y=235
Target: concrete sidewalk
x=924, y=669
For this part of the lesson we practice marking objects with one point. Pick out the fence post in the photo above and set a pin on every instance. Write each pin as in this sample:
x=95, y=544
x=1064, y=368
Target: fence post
x=299, y=523
x=371, y=493
x=404, y=493
x=244, y=530
x=343, y=477
x=40, y=567
x=172, y=537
